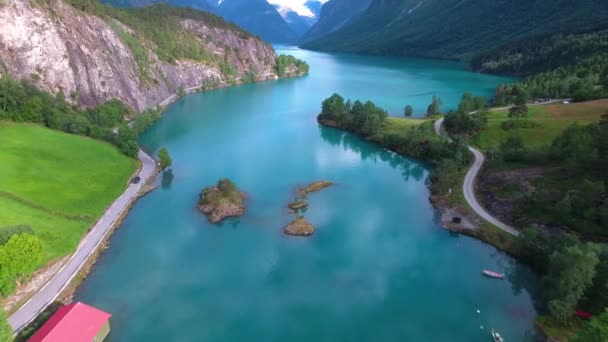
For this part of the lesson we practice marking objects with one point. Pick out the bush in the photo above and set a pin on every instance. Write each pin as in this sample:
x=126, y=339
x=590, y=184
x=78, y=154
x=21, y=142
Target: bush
x=7, y=232
x=19, y=256
x=513, y=149
x=457, y=123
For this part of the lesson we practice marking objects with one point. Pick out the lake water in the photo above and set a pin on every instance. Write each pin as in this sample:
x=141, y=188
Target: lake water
x=379, y=267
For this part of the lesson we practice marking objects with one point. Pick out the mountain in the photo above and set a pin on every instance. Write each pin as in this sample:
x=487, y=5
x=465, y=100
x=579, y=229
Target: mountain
x=314, y=7
x=258, y=17
x=141, y=56
x=299, y=18
x=200, y=5
x=453, y=29
x=299, y=24
x=334, y=15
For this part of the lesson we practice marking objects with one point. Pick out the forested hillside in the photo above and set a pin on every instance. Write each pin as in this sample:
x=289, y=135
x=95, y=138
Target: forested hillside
x=457, y=29
x=524, y=58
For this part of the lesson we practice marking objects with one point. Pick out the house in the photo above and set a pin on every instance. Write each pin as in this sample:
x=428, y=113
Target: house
x=76, y=322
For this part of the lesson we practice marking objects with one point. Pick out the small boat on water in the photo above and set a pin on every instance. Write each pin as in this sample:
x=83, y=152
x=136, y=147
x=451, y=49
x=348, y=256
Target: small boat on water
x=496, y=337
x=493, y=274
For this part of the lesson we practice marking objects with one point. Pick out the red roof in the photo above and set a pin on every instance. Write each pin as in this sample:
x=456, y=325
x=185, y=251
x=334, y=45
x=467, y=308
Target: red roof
x=75, y=322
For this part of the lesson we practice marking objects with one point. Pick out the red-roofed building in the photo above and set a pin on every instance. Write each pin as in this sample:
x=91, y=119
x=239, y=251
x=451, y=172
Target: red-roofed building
x=76, y=322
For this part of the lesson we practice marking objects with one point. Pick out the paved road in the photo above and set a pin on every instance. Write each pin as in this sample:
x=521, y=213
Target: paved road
x=468, y=187
x=59, y=281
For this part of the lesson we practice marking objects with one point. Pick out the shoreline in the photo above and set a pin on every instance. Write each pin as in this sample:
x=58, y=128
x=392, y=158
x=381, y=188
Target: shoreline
x=70, y=286
x=472, y=226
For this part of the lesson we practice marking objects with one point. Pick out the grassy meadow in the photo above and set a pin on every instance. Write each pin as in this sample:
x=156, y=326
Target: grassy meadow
x=59, y=184
x=401, y=126
x=552, y=120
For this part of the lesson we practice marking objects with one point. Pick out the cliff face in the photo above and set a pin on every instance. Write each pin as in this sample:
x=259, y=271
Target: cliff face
x=63, y=49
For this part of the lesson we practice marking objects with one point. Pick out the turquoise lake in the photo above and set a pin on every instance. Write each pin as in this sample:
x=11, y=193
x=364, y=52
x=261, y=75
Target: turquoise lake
x=379, y=267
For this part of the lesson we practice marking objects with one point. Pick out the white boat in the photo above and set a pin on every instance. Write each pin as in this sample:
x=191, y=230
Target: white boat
x=493, y=274
x=496, y=337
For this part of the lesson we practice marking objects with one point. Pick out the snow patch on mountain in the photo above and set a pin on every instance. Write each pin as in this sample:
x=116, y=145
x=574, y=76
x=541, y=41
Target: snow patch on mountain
x=286, y=6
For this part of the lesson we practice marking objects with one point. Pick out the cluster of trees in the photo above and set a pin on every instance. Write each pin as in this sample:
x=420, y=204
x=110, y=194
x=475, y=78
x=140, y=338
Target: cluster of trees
x=574, y=273
x=448, y=157
x=284, y=62
x=20, y=254
x=469, y=119
x=538, y=55
x=23, y=102
x=365, y=119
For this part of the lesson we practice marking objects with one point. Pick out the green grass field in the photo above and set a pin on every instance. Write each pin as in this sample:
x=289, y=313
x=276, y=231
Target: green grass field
x=395, y=125
x=552, y=120
x=59, y=184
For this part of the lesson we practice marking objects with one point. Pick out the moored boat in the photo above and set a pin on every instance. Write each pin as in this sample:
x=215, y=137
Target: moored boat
x=492, y=274
x=496, y=337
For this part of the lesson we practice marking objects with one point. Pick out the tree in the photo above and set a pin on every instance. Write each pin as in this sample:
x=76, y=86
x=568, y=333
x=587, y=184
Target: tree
x=435, y=107
x=594, y=330
x=518, y=111
x=7, y=232
x=164, y=159
x=6, y=332
x=19, y=256
x=571, y=272
x=408, y=111
x=470, y=103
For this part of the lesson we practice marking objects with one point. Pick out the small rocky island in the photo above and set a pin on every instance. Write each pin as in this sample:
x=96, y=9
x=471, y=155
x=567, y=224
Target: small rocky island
x=299, y=227
x=300, y=201
x=222, y=201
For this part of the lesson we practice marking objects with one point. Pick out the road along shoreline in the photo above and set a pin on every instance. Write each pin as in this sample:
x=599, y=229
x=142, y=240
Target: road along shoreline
x=468, y=187
x=86, y=248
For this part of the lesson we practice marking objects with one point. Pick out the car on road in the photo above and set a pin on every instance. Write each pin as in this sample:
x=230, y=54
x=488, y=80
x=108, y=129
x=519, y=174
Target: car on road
x=135, y=180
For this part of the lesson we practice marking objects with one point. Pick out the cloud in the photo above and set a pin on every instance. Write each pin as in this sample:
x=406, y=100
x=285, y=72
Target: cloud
x=295, y=5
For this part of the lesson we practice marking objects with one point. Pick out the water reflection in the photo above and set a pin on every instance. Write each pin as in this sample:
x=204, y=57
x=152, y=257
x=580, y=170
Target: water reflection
x=369, y=151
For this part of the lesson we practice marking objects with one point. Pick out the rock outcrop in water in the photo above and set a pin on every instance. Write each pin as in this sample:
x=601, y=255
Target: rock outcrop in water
x=313, y=187
x=86, y=57
x=222, y=201
x=300, y=202
x=299, y=227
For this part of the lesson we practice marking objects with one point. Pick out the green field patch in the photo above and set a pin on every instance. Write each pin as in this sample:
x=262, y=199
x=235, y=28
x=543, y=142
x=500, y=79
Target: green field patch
x=396, y=125
x=59, y=184
x=550, y=121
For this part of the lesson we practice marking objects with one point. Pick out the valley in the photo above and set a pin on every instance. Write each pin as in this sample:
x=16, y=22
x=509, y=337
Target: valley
x=462, y=143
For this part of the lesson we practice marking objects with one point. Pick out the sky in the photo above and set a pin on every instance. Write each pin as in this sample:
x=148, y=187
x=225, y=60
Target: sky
x=295, y=5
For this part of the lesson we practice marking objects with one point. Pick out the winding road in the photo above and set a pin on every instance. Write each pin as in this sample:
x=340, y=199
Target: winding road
x=87, y=246
x=468, y=187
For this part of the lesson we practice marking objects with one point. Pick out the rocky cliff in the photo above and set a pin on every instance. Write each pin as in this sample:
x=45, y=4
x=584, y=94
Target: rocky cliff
x=92, y=58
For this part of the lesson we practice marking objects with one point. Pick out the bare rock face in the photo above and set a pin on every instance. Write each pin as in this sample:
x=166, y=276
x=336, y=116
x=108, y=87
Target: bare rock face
x=62, y=49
